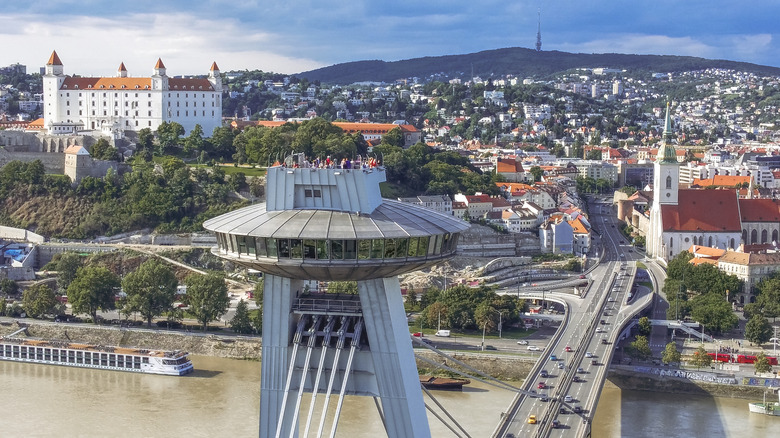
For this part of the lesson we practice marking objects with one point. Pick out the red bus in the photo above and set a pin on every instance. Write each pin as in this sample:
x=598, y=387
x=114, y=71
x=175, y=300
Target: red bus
x=722, y=357
x=752, y=359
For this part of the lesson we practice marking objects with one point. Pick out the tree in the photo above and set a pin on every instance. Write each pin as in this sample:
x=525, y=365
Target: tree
x=343, y=287
x=257, y=321
x=640, y=348
x=207, y=296
x=537, y=172
x=645, y=326
x=259, y=290
x=93, y=289
x=714, y=312
x=593, y=154
x=241, y=323
x=700, y=358
x=8, y=287
x=194, y=142
x=670, y=354
x=39, y=300
x=762, y=363
x=101, y=150
x=758, y=330
x=150, y=289
x=67, y=267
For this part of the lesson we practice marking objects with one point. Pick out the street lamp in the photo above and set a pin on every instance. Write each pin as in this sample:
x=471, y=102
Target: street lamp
x=500, y=314
x=484, y=326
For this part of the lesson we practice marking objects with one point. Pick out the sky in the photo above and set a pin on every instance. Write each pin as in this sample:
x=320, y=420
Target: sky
x=92, y=37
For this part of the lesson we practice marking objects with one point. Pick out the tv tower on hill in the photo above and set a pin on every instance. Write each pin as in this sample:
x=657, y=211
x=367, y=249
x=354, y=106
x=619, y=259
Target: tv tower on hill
x=539, y=32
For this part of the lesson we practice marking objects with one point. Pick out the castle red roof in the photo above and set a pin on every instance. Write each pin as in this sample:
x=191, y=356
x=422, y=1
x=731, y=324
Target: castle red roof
x=54, y=59
x=702, y=210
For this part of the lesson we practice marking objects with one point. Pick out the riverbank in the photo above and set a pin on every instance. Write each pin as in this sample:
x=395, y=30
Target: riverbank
x=630, y=380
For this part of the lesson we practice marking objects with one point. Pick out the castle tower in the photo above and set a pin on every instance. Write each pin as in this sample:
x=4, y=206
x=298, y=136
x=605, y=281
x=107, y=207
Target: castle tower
x=666, y=181
x=52, y=82
x=332, y=225
x=121, y=71
x=214, y=77
x=159, y=78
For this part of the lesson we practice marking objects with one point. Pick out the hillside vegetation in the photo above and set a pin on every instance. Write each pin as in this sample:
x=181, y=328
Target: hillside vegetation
x=516, y=61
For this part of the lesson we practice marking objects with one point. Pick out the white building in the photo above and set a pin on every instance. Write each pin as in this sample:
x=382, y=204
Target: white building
x=124, y=103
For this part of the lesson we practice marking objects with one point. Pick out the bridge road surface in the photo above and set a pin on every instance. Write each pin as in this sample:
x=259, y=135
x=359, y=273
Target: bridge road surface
x=583, y=333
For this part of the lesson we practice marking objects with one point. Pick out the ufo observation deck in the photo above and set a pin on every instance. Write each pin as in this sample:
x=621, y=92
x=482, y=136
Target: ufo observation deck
x=328, y=245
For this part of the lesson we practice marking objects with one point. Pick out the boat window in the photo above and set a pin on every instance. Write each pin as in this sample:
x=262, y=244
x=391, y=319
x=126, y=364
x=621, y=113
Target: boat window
x=413, y=242
x=422, y=248
x=364, y=249
x=377, y=248
x=350, y=249
x=260, y=246
x=322, y=249
x=284, y=248
x=401, y=246
x=295, y=249
x=337, y=249
x=389, y=248
x=309, y=249
x=272, y=250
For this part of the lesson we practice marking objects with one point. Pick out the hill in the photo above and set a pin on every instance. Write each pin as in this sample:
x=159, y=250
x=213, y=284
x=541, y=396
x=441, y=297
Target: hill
x=517, y=61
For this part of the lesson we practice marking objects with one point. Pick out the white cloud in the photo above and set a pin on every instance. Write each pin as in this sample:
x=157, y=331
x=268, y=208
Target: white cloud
x=187, y=44
x=641, y=45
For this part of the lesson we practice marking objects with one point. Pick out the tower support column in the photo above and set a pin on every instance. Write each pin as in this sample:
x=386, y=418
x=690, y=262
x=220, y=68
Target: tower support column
x=278, y=326
x=391, y=351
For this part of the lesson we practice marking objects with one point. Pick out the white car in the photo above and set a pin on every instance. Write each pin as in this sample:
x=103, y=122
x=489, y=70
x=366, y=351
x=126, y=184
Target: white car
x=534, y=348
x=568, y=399
x=599, y=330
x=522, y=342
x=588, y=354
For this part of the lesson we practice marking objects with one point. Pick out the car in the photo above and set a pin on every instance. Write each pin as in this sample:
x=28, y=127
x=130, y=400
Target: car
x=532, y=419
x=533, y=393
x=577, y=378
x=582, y=277
x=563, y=410
x=602, y=321
x=611, y=299
x=522, y=342
x=544, y=373
x=568, y=399
x=577, y=409
x=594, y=362
x=604, y=341
x=533, y=348
x=568, y=349
x=599, y=330
x=613, y=226
x=541, y=385
x=556, y=424
x=544, y=398
x=588, y=354
x=417, y=334
x=490, y=347
x=553, y=357
x=561, y=365
x=580, y=371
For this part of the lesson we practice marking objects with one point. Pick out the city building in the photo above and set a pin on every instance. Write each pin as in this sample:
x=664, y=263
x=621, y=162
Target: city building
x=113, y=105
x=750, y=268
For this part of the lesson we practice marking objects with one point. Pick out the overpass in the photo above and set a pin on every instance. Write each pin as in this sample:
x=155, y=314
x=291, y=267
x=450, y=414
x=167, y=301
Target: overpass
x=567, y=380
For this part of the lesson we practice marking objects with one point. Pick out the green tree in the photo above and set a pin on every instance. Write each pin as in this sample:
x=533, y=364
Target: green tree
x=257, y=321
x=537, y=172
x=700, y=358
x=670, y=354
x=8, y=287
x=394, y=137
x=150, y=289
x=645, y=326
x=67, y=266
x=342, y=287
x=169, y=134
x=194, y=142
x=714, y=312
x=102, y=150
x=207, y=296
x=762, y=363
x=241, y=323
x=93, y=289
x=758, y=330
x=39, y=300
x=640, y=348
x=593, y=154
x=259, y=290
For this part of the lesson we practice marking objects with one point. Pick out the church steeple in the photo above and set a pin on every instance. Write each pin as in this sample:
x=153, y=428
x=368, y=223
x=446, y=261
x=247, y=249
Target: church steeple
x=666, y=152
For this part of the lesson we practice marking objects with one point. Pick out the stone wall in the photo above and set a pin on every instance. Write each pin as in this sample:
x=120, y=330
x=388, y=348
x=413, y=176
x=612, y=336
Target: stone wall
x=52, y=163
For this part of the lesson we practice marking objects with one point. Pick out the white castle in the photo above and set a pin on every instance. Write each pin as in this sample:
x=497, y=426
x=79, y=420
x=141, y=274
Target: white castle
x=113, y=105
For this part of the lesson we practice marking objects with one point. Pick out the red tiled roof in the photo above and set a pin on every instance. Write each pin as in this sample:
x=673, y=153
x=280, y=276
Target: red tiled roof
x=128, y=83
x=159, y=64
x=508, y=165
x=722, y=181
x=54, y=59
x=349, y=127
x=702, y=210
x=578, y=227
x=759, y=210
x=214, y=66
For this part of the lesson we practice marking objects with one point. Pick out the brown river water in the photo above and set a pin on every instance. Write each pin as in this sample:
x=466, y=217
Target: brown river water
x=221, y=398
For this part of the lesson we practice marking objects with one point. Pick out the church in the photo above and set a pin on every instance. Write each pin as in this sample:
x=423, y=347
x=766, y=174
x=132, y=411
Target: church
x=114, y=105
x=680, y=218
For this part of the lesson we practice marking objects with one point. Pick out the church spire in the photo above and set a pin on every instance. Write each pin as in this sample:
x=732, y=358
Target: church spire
x=666, y=152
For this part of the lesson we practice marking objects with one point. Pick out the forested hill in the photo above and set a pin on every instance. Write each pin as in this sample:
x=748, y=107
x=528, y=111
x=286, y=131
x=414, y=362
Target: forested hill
x=517, y=61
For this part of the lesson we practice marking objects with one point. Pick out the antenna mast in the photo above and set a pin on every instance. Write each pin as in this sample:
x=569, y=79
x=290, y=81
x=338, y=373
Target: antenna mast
x=539, y=32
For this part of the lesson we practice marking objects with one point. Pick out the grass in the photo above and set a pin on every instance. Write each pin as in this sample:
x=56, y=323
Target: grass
x=230, y=169
x=641, y=265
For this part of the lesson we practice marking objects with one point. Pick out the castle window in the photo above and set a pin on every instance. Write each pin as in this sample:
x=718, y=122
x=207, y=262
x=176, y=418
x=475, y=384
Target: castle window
x=149, y=95
x=136, y=123
x=125, y=86
x=150, y=104
x=137, y=87
x=150, y=114
x=668, y=182
x=89, y=86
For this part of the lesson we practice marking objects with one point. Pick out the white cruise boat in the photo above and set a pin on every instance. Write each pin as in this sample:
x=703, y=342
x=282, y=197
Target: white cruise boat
x=170, y=363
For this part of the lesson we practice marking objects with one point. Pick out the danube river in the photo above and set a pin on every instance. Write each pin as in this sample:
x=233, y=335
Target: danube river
x=221, y=398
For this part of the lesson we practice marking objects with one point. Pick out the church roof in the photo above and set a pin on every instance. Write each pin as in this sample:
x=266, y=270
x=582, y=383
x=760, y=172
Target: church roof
x=702, y=210
x=759, y=210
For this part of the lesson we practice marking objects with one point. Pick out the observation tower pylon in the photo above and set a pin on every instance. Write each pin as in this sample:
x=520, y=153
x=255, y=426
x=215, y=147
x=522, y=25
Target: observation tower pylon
x=324, y=224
